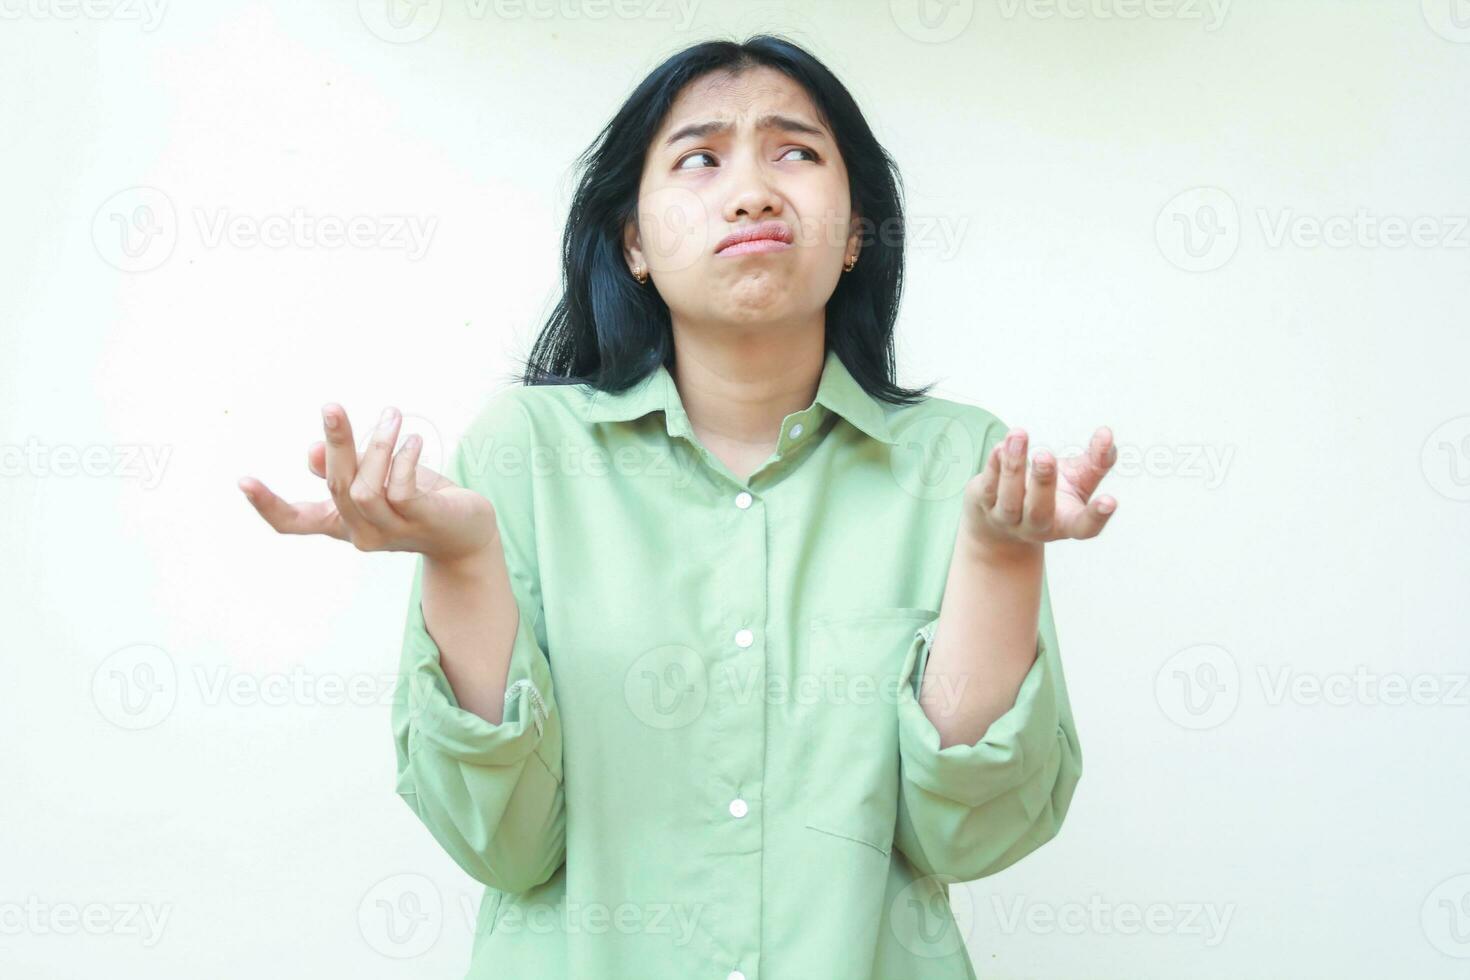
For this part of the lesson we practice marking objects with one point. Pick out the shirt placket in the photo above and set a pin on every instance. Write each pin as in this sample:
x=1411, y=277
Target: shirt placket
x=739, y=654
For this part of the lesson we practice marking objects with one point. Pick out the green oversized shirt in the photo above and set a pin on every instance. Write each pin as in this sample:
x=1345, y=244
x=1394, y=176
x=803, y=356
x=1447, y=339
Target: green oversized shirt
x=712, y=762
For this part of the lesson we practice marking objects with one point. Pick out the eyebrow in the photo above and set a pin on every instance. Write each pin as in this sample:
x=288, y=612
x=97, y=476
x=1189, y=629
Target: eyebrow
x=775, y=121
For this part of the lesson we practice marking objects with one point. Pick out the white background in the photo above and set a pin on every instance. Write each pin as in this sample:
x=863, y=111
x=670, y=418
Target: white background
x=1258, y=798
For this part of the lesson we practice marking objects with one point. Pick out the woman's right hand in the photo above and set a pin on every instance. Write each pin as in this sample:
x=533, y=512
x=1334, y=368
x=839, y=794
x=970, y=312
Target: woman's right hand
x=382, y=501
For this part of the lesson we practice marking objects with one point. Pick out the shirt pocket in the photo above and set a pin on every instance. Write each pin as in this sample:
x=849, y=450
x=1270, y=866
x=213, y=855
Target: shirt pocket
x=851, y=788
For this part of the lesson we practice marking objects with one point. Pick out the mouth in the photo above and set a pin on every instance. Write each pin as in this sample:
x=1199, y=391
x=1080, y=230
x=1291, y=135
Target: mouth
x=768, y=236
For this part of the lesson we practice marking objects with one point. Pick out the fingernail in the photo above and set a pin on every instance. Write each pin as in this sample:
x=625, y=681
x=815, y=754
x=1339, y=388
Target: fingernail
x=386, y=417
x=1013, y=445
x=328, y=417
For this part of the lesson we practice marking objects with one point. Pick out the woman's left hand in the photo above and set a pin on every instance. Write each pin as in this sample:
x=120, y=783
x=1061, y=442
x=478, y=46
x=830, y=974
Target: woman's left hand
x=1005, y=512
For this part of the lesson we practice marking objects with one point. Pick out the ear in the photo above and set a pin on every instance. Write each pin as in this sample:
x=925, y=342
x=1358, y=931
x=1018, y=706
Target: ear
x=633, y=245
x=854, y=235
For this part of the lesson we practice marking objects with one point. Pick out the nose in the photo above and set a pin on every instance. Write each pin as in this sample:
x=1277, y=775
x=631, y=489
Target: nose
x=751, y=195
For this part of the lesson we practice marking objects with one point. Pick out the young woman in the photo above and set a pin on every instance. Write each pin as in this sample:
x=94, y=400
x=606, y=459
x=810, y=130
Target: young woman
x=725, y=655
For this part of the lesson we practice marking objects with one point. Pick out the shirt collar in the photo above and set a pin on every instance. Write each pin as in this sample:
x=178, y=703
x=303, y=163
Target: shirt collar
x=838, y=391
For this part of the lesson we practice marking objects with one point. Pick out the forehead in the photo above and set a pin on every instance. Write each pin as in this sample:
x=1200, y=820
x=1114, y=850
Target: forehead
x=720, y=95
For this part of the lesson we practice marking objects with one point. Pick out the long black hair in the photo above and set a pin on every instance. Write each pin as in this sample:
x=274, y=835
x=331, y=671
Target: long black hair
x=609, y=331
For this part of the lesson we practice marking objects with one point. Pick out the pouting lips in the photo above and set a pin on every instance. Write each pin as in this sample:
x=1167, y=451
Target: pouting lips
x=774, y=233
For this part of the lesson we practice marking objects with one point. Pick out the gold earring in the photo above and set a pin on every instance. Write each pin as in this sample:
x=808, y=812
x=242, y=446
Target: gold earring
x=851, y=261
x=641, y=274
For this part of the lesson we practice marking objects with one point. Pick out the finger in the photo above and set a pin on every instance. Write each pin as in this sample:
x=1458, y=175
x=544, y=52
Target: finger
x=316, y=458
x=990, y=478
x=403, y=490
x=372, y=465
x=1094, y=517
x=1107, y=449
x=1012, y=491
x=316, y=517
x=1041, y=496
x=341, y=463
x=1087, y=470
x=372, y=472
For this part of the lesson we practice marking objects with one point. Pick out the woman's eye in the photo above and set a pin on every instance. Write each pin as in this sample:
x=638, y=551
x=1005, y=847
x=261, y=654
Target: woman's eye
x=681, y=164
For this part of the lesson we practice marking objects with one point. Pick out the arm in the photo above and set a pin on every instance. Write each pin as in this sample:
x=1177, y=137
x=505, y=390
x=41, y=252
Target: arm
x=990, y=607
x=988, y=748
x=968, y=809
x=475, y=720
x=471, y=615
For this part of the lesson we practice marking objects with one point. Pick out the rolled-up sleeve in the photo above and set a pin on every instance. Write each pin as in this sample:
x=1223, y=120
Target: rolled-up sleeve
x=967, y=811
x=491, y=794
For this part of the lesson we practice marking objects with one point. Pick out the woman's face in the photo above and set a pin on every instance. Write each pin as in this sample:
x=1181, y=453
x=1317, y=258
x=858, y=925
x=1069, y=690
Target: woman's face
x=734, y=153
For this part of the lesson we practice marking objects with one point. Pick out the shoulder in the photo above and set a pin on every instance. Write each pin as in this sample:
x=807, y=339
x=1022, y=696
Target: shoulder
x=967, y=428
x=496, y=454
x=529, y=414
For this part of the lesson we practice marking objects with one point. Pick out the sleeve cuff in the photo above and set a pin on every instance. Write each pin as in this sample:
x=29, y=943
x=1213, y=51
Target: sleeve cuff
x=438, y=721
x=1015, y=746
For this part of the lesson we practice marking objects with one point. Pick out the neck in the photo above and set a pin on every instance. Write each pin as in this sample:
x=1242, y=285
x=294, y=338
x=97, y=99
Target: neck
x=739, y=389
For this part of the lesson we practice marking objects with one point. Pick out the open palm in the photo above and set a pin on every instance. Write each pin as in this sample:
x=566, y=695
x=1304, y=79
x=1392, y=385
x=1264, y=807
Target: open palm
x=380, y=500
x=1005, y=505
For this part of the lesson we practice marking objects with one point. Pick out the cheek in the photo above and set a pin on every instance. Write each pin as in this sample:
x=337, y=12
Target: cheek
x=676, y=228
x=825, y=222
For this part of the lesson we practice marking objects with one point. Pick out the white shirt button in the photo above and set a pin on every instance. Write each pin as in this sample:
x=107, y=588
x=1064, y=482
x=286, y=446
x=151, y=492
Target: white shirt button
x=735, y=975
x=738, y=807
x=796, y=431
x=742, y=500
x=744, y=638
